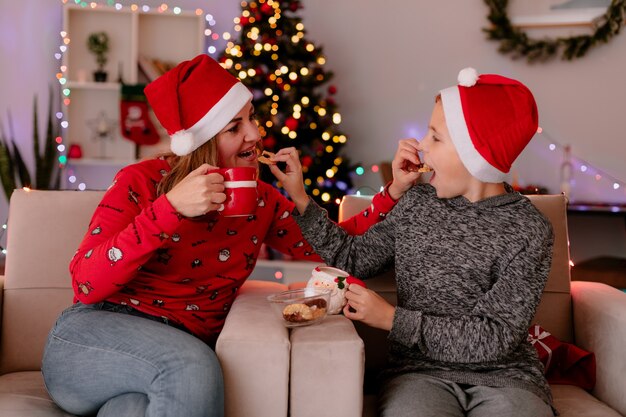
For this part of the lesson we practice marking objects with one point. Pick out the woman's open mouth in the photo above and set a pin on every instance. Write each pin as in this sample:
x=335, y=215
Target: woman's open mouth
x=248, y=155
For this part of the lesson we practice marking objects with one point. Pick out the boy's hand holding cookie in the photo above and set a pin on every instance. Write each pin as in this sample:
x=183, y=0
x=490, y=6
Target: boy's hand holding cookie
x=406, y=167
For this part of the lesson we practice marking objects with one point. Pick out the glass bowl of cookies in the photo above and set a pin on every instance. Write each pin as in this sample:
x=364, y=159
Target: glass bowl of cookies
x=300, y=307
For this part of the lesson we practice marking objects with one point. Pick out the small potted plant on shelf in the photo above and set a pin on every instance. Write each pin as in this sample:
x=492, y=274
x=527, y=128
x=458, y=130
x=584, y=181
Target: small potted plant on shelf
x=98, y=44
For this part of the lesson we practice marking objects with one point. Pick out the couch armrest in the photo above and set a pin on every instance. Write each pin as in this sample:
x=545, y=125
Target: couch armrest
x=327, y=366
x=253, y=350
x=600, y=327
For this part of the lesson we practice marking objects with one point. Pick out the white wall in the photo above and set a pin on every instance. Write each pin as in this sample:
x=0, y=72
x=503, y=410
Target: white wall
x=389, y=59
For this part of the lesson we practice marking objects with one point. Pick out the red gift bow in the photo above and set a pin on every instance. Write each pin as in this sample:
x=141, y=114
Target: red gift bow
x=564, y=363
x=535, y=336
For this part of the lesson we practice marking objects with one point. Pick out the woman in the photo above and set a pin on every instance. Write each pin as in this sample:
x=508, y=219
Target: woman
x=159, y=267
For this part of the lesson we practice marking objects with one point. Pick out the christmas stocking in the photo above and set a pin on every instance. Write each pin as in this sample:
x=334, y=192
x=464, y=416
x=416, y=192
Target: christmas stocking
x=134, y=117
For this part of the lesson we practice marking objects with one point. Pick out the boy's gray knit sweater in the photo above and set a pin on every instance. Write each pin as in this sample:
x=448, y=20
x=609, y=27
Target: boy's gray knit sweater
x=469, y=278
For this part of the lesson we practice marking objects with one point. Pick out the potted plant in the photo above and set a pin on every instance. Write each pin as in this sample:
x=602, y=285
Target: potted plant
x=14, y=171
x=98, y=44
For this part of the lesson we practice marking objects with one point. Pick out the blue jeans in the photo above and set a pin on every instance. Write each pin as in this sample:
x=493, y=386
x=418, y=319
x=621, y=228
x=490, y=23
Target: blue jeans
x=115, y=364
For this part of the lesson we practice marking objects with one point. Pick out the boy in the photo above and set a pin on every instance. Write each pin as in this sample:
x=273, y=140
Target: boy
x=471, y=259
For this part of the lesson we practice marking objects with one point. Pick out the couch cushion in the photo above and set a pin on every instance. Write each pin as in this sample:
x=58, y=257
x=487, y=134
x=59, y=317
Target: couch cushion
x=254, y=354
x=325, y=376
x=600, y=327
x=570, y=401
x=554, y=312
x=22, y=394
x=29, y=314
x=44, y=230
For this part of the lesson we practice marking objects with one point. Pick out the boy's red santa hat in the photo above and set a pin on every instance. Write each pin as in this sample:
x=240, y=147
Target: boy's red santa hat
x=491, y=119
x=194, y=101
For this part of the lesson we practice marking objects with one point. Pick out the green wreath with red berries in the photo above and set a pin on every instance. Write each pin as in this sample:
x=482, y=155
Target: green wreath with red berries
x=517, y=43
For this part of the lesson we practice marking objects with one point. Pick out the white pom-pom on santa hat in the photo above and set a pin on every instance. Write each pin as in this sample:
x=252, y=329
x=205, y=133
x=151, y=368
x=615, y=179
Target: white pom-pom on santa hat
x=468, y=77
x=182, y=142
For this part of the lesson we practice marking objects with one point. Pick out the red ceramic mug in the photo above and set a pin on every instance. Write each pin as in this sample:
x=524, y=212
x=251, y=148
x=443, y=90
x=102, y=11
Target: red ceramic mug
x=240, y=189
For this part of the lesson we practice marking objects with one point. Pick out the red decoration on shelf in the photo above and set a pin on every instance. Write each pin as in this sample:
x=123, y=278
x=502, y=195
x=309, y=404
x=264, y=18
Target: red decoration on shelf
x=75, y=152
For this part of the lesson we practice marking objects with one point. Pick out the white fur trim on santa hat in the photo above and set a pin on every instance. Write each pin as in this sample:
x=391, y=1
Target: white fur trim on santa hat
x=182, y=142
x=455, y=120
x=187, y=141
x=467, y=77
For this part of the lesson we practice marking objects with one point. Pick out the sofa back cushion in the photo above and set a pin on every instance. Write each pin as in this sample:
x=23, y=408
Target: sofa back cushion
x=554, y=312
x=43, y=232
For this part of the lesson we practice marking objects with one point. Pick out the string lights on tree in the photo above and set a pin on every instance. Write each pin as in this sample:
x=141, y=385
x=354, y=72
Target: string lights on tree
x=286, y=73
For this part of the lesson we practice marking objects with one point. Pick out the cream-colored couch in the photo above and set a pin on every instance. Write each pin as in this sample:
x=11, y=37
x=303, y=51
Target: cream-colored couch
x=590, y=315
x=270, y=371
x=44, y=230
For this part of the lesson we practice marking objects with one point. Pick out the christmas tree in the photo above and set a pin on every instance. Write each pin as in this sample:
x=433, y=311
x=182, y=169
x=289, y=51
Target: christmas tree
x=286, y=74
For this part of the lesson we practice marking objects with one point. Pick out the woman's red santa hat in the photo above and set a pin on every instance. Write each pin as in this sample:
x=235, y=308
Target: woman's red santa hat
x=194, y=101
x=491, y=119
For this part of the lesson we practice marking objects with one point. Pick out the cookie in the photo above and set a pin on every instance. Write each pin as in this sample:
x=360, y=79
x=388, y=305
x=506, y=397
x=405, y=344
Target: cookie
x=424, y=168
x=316, y=303
x=297, y=313
x=419, y=168
x=266, y=158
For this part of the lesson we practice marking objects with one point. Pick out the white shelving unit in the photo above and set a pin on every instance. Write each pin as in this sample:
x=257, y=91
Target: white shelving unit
x=132, y=32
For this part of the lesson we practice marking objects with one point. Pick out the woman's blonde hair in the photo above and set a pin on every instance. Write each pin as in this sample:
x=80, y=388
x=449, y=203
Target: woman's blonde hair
x=183, y=165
